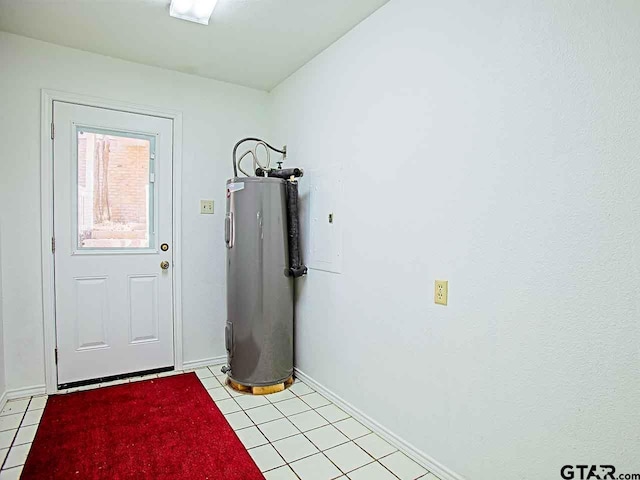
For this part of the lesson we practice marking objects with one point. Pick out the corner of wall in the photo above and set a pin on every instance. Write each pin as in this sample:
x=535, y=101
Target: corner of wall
x=3, y=384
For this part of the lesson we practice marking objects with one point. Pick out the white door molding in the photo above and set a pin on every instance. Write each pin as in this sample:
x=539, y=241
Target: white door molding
x=46, y=199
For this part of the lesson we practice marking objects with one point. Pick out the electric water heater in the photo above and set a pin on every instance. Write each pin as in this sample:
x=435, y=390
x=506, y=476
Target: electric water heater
x=263, y=259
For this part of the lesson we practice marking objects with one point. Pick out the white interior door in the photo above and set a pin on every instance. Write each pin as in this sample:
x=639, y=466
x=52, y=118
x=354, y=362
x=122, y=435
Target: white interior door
x=113, y=230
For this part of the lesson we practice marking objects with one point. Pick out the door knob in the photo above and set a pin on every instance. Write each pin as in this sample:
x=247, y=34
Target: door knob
x=164, y=265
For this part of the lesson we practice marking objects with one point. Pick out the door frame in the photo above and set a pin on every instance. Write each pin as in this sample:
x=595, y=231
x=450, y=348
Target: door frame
x=46, y=211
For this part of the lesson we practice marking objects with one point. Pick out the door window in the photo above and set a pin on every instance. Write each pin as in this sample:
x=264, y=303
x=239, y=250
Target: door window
x=115, y=195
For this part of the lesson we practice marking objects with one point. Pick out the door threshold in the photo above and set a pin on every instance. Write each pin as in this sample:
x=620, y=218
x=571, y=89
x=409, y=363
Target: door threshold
x=111, y=378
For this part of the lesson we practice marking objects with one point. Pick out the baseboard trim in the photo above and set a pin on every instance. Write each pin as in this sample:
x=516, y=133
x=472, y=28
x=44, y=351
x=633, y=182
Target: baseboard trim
x=26, y=392
x=205, y=362
x=3, y=400
x=412, y=452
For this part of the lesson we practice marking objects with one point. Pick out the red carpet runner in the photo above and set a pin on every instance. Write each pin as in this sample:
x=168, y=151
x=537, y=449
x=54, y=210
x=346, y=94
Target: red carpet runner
x=166, y=428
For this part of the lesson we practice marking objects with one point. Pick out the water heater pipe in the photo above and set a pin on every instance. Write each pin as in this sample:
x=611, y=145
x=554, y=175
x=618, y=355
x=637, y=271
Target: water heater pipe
x=249, y=139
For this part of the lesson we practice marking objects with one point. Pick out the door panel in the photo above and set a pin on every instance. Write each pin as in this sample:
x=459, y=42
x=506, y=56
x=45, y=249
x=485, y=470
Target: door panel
x=112, y=208
x=143, y=308
x=91, y=303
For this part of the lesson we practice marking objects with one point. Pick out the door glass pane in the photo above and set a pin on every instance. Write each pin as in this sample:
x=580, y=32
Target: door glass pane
x=115, y=189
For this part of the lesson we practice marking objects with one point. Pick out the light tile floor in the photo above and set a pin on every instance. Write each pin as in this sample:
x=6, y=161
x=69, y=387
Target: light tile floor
x=296, y=434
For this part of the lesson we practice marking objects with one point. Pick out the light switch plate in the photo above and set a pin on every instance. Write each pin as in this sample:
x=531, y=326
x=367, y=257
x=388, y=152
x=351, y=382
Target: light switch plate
x=206, y=206
x=441, y=294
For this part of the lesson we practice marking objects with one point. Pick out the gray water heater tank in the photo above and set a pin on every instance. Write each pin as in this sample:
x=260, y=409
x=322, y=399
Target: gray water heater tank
x=259, y=329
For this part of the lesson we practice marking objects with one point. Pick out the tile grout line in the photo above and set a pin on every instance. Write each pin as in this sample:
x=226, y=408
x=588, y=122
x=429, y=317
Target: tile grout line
x=375, y=460
x=300, y=431
x=287, y=417
x=349, y=440
x=4, y=462
x=253, y=424
x=303, y=433
x=329, y=422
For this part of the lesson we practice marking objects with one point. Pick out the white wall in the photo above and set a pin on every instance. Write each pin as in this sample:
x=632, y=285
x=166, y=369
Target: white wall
x=3, y=383
x=494, y=144
x=215, y=115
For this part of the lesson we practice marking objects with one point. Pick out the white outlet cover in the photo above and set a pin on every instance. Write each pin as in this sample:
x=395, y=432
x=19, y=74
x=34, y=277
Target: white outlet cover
x=206, y=207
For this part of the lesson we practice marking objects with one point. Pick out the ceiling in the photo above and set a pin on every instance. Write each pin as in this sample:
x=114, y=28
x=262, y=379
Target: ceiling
x=257, y=43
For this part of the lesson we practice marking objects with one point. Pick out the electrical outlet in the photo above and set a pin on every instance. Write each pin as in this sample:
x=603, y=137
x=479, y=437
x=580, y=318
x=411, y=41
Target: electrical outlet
x=206, y=206
x=442, y=292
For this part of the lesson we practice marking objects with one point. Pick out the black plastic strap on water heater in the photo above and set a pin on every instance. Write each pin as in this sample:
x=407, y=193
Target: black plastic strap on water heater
x=296, y=269
x=284, y=173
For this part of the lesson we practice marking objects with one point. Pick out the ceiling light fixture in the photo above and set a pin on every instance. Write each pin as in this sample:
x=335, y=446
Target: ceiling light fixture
x=197, y=11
